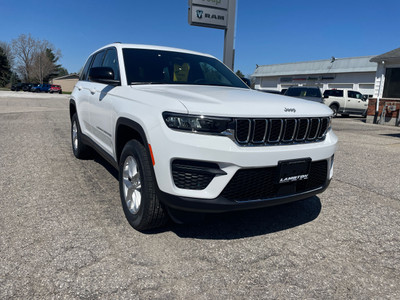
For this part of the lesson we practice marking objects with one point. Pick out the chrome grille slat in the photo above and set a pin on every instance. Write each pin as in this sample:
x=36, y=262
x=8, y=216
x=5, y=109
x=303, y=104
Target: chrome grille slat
x=243, y=129
x=290, y=130
x=276, y=131
x=314, y=129
x=304, y=124
x=260, y=127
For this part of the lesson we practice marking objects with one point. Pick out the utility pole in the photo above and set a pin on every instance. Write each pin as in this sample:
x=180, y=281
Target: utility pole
x=229, y=42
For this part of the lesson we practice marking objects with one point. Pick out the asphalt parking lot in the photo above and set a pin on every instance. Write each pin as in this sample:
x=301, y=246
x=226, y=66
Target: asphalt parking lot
x=64, y=235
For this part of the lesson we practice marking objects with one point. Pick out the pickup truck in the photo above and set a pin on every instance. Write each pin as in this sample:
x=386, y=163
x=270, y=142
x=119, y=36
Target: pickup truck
x=345, y=102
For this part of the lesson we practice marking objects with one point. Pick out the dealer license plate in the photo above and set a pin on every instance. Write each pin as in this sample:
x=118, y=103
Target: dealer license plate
x=293, y=170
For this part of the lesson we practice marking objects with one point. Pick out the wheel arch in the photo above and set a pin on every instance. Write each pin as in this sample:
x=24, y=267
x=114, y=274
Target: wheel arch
x=72, y=108
x=335, y=103
x=126, y=130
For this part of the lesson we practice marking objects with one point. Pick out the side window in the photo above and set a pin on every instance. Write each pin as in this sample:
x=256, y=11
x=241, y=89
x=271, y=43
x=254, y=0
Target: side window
x=358, y=95
x=85, y=70
x=111, y=60
x=337, y=93
x=98, y=59
x=353, y=94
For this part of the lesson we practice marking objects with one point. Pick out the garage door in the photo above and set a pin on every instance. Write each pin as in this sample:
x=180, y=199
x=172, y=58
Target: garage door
x=340, y=86
x=366, y=89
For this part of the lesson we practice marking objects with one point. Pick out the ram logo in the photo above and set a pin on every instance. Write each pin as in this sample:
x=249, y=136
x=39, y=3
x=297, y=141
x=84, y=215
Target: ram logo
x=199, y=13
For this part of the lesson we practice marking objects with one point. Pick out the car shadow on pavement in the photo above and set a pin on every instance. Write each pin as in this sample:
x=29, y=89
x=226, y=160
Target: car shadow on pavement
x=100, y=160
x=241, y=224
x=396, y=135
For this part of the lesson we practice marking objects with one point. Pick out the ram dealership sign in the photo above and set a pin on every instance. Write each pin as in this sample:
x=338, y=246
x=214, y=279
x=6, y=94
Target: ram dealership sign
x=209, y=13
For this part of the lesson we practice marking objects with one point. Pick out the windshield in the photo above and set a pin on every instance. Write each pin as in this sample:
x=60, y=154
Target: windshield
x=303, y=92
x=165, y=67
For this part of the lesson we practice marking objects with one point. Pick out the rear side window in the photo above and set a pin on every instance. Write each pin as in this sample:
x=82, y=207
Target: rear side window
x=85, y=70
x=334, y=93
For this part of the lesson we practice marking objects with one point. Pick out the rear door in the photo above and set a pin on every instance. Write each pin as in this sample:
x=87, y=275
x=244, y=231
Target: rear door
x=83, y=87
x=101, y=104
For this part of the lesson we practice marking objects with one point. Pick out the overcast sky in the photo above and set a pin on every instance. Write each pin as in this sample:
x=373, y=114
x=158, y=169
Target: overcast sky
x=267, y=32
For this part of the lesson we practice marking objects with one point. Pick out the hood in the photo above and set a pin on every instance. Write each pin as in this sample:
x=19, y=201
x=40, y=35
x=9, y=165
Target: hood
x=237, y=102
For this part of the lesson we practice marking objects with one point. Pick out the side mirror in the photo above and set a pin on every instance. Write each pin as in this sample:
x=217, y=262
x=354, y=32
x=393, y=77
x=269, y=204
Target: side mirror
x=103, y=75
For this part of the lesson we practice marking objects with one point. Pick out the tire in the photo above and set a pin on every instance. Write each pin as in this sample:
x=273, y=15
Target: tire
x=79, y=149
x=345, y=115
x=334, y=109
x=138, y=188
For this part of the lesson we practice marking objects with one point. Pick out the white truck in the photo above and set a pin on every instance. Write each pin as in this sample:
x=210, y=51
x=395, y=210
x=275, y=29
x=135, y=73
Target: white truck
x=187, y=135
x=345, y=102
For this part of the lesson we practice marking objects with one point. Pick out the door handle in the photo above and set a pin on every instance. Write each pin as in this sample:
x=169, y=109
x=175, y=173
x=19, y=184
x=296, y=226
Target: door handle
x=79, y=87
x=93, y=91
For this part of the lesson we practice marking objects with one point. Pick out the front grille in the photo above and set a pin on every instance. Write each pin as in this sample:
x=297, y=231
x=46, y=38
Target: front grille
x=280, y=131
x=260, y=183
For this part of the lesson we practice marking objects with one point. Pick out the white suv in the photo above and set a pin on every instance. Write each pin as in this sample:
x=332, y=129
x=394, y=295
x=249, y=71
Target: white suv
x=187, y=135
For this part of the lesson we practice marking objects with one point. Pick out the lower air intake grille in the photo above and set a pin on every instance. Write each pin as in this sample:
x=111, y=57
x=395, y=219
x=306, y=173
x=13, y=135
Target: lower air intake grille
x=256, y=184
x=193, y=175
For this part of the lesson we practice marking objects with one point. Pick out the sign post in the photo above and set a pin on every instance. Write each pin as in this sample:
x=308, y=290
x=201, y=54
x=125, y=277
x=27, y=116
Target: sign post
x=220, y=14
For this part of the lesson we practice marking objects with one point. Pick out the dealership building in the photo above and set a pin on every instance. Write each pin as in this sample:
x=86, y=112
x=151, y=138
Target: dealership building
x=384, y=107
x=356, y=73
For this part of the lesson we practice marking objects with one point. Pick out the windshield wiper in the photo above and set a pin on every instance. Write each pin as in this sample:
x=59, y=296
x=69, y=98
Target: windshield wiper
x=145, y=82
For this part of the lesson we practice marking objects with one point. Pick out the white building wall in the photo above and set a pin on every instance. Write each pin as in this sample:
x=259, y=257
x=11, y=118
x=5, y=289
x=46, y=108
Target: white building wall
x=379, y=81
x=362, y=81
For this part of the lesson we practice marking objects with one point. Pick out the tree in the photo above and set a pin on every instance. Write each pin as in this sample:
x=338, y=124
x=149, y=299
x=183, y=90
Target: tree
x=36, y=59
x=5, y=69
x=9, y=53
x=62, y=72
x=24, y=48
x=239, y=73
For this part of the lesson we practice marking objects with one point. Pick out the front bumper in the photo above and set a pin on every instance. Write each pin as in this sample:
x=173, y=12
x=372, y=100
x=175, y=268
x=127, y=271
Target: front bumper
x=221, y=204
x=169, y=145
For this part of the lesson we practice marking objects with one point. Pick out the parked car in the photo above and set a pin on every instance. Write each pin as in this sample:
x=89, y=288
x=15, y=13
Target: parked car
x=345, y=102
x=27, y=87
x=55, y=89
x=187, y=135
x=19, y=86
x=312, y=93
x=41, y=88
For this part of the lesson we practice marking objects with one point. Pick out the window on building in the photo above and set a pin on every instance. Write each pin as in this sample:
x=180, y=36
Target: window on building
x=392, y=83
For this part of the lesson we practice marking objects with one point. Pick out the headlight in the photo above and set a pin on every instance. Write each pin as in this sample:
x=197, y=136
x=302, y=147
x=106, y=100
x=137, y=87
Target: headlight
x=193, y=123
